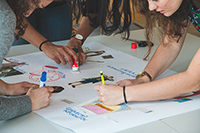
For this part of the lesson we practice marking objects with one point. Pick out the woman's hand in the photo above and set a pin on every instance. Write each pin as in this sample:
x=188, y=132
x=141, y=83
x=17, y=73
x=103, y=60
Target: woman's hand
x=40, y=97
x=110, y=94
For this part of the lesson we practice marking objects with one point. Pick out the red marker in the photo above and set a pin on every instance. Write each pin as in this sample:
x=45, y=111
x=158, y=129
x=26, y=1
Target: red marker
x=75, y=66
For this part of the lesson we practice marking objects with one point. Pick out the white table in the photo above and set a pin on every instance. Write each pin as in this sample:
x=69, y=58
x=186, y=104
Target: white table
x=183, y=123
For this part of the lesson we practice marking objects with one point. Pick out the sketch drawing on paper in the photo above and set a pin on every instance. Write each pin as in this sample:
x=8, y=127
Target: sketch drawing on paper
x=99, y=108
x=52, y=74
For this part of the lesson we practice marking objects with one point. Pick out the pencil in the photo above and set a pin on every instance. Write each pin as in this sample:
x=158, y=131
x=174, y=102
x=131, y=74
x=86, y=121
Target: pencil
x=102, y=78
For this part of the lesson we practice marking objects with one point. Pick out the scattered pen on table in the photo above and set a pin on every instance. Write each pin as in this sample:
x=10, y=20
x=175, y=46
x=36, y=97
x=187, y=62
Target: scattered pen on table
x=140, y=43
x=102, y=78
x=95, y=61
x=43, y=79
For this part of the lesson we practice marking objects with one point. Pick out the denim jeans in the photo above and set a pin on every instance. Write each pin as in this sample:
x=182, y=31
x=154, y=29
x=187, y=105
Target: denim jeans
x=53, y=23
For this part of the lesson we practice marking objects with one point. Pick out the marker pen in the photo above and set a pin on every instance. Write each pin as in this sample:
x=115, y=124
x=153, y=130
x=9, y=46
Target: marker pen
x=75, y=66
x=43, y=79
x=102, y=78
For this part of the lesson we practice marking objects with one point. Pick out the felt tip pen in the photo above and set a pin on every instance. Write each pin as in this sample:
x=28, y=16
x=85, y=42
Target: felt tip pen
x=102, y=78
x=75, y=66
x=43, y=79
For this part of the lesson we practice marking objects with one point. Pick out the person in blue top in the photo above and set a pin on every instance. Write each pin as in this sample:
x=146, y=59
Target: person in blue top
x=173, y=18
x=54, y=22
x=49, y=24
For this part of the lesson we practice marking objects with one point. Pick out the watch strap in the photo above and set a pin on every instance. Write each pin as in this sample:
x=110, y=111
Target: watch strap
x=78, y=39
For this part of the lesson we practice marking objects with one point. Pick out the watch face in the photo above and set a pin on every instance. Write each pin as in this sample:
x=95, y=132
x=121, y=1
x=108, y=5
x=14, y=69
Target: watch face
x=78, y=36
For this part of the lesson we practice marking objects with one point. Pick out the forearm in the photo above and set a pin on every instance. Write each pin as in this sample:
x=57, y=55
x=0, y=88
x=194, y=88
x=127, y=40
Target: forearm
x=166, y=88
x=85, y=28
x=164, y=56
x=11, y=107
x=32, y=36
x=3, y=85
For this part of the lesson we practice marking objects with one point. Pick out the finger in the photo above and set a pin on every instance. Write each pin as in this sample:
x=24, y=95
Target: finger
x=63, y=60
x=98, y=95
x=118, y=83
x=26, y=89
x=67, y=55
x=97, y=87
x=101, y=98
x=69, y=59
x=80, y=57
x=83, y=58
x=27, y=84
x=50, y=89
x=73, y=53
x=34, y=87
x=101, y=93
x=50, y=94
x=59, y=58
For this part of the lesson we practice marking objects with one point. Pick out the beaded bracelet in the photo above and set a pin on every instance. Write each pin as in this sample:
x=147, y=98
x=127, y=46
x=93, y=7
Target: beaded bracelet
x=124, y=94
x=42, y=44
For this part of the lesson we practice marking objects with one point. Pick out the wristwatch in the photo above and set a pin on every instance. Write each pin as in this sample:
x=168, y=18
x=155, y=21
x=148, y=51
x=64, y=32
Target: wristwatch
x=143, y=73
x=79, y=37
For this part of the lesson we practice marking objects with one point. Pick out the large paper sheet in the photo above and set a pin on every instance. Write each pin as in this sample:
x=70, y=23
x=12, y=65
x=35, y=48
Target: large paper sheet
x=78, y=109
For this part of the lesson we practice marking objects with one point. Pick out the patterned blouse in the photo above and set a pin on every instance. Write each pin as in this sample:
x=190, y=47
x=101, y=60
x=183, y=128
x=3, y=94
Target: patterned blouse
x=194, y=17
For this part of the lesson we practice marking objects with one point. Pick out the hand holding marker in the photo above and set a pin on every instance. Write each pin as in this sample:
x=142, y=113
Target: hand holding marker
x=43, y=79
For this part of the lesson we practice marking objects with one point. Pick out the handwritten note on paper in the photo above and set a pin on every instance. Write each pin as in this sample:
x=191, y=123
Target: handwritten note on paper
x=76, y=114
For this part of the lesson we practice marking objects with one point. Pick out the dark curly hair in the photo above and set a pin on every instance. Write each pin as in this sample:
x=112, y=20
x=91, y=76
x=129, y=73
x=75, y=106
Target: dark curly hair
x=20, y=7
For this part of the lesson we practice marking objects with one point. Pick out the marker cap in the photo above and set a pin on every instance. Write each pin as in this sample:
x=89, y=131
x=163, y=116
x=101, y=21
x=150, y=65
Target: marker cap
x=44, y=76
x=133, y=45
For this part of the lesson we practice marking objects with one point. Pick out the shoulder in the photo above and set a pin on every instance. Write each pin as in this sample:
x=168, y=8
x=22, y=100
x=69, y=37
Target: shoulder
x=7, y=28
x=7, y=16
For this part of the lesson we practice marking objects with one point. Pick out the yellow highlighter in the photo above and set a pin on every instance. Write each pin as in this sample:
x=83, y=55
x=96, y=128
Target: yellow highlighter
x=102, y=78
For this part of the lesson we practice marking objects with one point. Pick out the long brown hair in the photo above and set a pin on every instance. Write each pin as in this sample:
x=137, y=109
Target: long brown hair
x=172, y=26
x=114, y=11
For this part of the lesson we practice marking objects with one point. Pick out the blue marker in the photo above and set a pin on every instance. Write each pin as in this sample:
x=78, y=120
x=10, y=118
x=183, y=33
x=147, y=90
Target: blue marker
x=43, y=79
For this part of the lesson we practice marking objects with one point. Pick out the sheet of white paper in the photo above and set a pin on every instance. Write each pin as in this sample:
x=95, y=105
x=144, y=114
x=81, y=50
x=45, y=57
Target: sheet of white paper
x=65, y=107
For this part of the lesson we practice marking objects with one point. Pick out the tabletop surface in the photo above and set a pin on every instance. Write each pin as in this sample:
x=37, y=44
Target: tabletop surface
x=183, y=123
